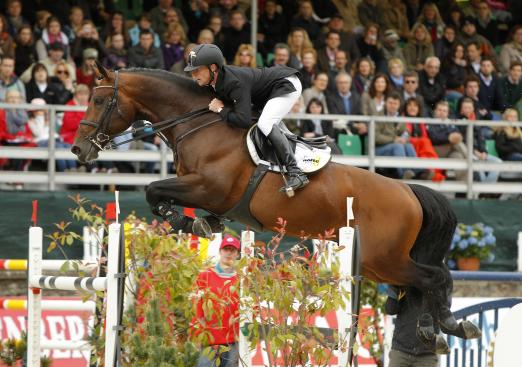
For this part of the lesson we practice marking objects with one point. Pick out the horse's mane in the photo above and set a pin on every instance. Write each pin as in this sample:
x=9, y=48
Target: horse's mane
x=186, y=83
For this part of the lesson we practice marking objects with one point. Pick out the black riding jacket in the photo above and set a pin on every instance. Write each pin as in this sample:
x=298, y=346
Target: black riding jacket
x=239, y=88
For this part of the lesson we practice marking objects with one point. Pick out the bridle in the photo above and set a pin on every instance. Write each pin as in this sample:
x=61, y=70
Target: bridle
x=102, y=140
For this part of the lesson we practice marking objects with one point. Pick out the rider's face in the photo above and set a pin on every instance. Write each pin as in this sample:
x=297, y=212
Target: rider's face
x=201, y=76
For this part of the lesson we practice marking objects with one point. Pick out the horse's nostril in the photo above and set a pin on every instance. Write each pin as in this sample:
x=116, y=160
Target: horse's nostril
x=76, y=149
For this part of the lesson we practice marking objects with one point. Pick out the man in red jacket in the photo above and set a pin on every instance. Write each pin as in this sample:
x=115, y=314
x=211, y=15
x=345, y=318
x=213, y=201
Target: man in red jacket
x=219, y=324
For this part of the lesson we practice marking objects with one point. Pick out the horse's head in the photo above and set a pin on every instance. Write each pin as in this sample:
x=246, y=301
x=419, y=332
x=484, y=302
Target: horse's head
x=109, y=112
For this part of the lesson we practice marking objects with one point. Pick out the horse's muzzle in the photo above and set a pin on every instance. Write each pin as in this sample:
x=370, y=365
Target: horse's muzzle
x=85, y=151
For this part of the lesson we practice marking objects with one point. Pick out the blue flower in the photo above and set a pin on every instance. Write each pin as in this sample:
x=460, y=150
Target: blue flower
x=452, y=264
x=472, y=241
x=488, y=230
x=463, y=244
x=456, y=238
x=469, y=229
x=482, y=243
x=490, y=239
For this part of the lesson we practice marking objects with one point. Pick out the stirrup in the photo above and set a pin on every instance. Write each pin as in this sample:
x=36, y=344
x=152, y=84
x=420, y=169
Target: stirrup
x=295, y=181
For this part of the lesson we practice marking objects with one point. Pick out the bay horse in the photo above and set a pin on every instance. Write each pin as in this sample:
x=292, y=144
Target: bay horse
x=405, y=230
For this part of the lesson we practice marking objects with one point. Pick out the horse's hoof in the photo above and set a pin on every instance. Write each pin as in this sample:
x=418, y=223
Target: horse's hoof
x=441, y=346
x=449, y=325
x=425, y=329
x=470, y=330
x=201, y=228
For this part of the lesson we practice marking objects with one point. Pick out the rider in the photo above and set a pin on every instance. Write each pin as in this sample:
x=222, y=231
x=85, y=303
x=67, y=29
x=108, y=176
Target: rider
x=274, y=90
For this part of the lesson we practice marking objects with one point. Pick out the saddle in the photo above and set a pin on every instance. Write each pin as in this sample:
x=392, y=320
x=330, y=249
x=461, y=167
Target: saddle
x=311, y=154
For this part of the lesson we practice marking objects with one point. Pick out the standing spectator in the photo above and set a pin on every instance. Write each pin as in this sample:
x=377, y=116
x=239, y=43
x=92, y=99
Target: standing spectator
x=25, y=51
x=431, y=19
x=305, y=19
x=6, y=41
x=217, y=286
x=271, y=25
x=76, y=18
x=71, y=119
x=61, y=73
x=370, y=47
x=340, y=66
x=348, y=39
x=396, y=74
x=245, y=56
x=85, y=73
x=309, y=70
x=395, y=17
x=372, y=102
x=392, y=139
x=56, y=53
x=144, y=24
x=511, y=51
x=391, y=48
x=369, y=13
x=364, y=71
x=447, y=138
x=297, y=41
x=15, y=19
x=486, y=24
x=490, y=94
x=174, y=45
x=145, y=55
x=237, y=34
x=117, y=57
x=317, y=90
x=326, y=55
x=52, y=34
x=508, y=139
x=455, y=71
x=316, y=127
x=88, y=37
x=444, y=44
x=467, y=112
x=115, y=25
x=431, y=84
x=215, y=25
x=41, y=86
x=511, y=84
x=8, y=80
x=418, y=48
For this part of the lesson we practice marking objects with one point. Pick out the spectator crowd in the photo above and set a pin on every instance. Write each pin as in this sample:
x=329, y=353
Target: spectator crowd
x=411, y=58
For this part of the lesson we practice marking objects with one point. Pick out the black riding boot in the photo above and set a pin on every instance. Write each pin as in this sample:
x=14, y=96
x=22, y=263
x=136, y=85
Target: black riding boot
x=296, y=177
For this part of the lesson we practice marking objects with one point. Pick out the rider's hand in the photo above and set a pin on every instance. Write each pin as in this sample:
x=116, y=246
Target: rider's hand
x=215, y=105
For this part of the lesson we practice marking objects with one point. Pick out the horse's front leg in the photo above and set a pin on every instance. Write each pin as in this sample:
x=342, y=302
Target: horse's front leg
x=186, y=191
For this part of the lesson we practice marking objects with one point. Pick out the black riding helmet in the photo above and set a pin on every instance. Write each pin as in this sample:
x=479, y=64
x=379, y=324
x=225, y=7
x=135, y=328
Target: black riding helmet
x=204, y=55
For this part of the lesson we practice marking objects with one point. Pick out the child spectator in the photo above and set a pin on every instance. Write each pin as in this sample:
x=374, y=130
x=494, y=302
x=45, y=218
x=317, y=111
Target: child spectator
x=116, y=54
x=25, y=51
x=71, y=119
x=174, y=45
x=418, y=48
x=364, y=71
x=372, y=102
x=508, y=139
x=245, y=56
x=50, y=35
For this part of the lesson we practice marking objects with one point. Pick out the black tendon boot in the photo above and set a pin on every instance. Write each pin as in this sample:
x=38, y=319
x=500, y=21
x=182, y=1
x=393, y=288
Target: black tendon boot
x=296, y=178
x=177, y=221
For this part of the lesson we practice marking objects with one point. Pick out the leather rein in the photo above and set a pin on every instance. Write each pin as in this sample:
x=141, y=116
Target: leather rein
x=103, y=141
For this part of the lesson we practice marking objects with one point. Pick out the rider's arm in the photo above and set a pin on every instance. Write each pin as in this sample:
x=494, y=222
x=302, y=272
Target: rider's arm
x=240, y=112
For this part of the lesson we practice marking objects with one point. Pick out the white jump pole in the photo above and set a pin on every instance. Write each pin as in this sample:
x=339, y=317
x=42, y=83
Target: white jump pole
x=519, y=251
x=34, y=298
x=245, y=313
x=111, y=298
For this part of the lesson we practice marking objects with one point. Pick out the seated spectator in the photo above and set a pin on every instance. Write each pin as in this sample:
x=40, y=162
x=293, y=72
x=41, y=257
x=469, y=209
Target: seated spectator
x=8, y=80
x=224, y=9
x=431, y=19
x=447, y=138
x=25, y=51
x=85, y=73
x=466, y=110
x=471, y=90
x=245, y=56
x=394, y=12
x=474, y=55
x=396, y=73
x=39, y=125
x=369, y=13
x=444, y=44
x=281, y=55
x=87, y=38
x=174, y=45
x=431, y=84
x=7, y=45
x=364, y=71
x=508, y=139
x=511, y=84
x=391, y=48
x=420, y=139
x=326, y=55
x=40, y=24
x=511, y=51
x=469, y=34
x=344, y=102
x=271, y=26
x=490, y=94
x=410, y=87
x=455, y=17
x=76, y=18
x=237, y=34
x=215, y=25
x=15, y=19
x=392, y=139
x=205, y=37
x=50, y=35
x=305, y=20
x=56, y=53
x=308, y=72
x=455, y=71
x=71, y=119
x=62, y=75
x=316, y=127
x=144, y=24
x=373, y=101
x=145, y=55
x=370, y=48
x=413, y=11
x=116, y=57
x=49, y=89
x=196, y=13
x=418, y=48
x=171, y=17
x=348, y=40
x=115, y=25
x=486, y=24
x=297, y=41
x=341, y=65
x=317, y=90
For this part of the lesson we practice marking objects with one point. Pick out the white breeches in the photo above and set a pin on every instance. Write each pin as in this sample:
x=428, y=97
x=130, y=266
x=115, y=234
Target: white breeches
x=277, y=108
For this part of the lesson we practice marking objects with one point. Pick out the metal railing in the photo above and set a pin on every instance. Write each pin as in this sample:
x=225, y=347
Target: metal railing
x=164, y=157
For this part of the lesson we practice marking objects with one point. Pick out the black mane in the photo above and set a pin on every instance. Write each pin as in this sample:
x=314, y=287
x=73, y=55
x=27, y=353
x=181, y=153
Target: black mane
x=183, y=81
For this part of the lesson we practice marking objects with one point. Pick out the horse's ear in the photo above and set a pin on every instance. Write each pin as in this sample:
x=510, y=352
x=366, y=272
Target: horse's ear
x=100, y=71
